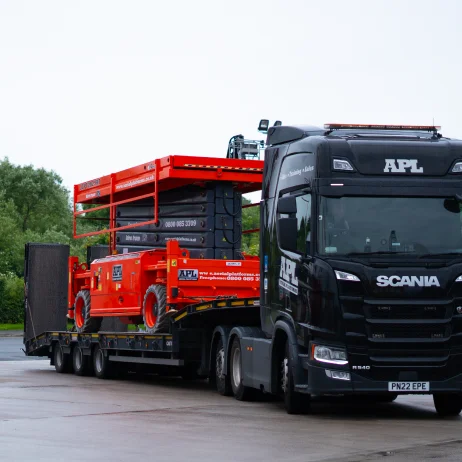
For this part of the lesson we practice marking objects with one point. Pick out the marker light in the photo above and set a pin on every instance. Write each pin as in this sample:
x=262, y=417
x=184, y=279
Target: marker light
x=459, y=279
x=263, y=125
x=428, y=128
x=330, y=355
x=342, y=276
x=339, y=375
x=457, y=168
x=339, y=164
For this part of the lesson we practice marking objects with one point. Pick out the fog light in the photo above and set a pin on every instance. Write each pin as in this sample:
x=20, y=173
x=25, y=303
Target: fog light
x=339, y=375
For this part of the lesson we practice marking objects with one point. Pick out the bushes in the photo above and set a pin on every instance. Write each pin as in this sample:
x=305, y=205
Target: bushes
x=11, y=299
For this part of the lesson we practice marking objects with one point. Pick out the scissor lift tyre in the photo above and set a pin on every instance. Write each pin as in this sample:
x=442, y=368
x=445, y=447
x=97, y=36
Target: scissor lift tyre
x=84, y=322
x=154, y=306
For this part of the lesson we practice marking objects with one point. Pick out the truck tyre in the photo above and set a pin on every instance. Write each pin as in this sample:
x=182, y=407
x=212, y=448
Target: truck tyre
x=154, y=306
x=80, y=362
x=295, y=403
x=84, y=323
x=222, y=380
x=240, y=392
x=448, y=405
x=104, y=369
x=61, y=360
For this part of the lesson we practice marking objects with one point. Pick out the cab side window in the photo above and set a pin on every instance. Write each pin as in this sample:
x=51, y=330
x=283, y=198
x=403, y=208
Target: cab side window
x=303, y=223
x=294, y=230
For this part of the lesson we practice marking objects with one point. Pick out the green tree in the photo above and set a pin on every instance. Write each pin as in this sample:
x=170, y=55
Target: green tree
x=250, y=220
x=40, y=199
x=9, y=232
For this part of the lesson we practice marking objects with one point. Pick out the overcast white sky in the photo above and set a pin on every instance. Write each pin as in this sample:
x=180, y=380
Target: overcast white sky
x=92, y=87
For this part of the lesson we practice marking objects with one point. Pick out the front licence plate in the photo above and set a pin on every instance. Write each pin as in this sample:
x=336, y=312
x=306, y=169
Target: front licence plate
x=409, y=386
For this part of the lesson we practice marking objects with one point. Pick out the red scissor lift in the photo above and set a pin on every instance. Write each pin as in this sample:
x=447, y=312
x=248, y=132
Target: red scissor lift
x=150, y=285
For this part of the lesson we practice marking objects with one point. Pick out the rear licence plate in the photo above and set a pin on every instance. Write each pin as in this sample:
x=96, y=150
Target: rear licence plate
x=409, y=386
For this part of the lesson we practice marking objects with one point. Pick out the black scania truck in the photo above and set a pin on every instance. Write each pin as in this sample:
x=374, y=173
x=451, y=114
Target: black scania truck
x=361, y=279
x=361, y=253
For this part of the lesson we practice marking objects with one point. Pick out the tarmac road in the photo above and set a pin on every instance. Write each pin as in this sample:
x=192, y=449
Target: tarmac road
x=48, y=416
x=10, y=348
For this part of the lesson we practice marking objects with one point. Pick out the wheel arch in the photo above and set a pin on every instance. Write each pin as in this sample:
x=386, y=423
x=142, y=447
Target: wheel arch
x=283, y=332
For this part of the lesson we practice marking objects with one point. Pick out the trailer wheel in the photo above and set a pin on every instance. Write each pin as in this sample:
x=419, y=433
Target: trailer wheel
x=61, y=360
x=104, y=369
x=222, y=380
x=84, y=322
x=448, y=405
x=154, y=305
x=295, y=403
x=80, y=362
x=241, y=392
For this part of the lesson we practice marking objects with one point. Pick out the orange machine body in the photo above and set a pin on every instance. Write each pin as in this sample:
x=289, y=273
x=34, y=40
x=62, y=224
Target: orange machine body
x=118, y=283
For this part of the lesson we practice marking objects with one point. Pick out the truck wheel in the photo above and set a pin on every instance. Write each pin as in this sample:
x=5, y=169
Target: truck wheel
x=295, y=403
x=222, y=380
x=80, y=362
x=61, y=360
x=104, y=369
x=154, y=305
x=448, y=405
x=241, y=392
x=84, y=323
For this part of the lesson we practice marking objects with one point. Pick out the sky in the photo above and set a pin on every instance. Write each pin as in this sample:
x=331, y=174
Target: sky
x=89, y=88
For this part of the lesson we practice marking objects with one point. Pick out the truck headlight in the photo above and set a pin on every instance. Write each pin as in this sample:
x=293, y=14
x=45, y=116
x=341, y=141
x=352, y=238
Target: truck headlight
x=342, y=276
x=330, y=355
x=459, y=279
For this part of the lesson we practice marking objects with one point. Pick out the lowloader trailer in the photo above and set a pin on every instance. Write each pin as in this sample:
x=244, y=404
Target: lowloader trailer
x=357, y=292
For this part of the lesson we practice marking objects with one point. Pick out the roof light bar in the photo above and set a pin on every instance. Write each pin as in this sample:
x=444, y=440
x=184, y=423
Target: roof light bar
x=429, y=128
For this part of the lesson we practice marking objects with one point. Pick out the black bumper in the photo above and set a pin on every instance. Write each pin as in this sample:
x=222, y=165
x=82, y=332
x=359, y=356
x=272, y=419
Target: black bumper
x=320, y=384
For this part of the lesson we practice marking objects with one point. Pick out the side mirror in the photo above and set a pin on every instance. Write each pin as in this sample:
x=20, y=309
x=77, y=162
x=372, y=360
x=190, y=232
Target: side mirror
x=287, y=205
x=287, y=232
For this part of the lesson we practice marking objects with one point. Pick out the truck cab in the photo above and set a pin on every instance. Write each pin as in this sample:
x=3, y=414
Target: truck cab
x=361, y=259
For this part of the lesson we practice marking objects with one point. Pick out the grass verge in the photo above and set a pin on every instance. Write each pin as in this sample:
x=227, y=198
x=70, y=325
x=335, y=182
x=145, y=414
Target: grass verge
x=12, y=326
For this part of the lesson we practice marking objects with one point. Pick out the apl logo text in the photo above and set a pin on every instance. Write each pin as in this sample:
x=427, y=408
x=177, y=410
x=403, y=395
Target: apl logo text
x=402, y=166
x=287, y=278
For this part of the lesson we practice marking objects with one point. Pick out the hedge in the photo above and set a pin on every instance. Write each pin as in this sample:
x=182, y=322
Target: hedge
x=11, y=299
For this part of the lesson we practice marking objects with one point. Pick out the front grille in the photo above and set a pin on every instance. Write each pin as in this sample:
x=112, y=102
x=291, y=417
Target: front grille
x=392, y=332
x=386, y=311
x=408, y=331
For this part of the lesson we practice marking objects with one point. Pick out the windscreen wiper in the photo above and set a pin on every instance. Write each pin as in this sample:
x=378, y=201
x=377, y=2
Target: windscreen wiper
x=379, y=252
x=441, y=254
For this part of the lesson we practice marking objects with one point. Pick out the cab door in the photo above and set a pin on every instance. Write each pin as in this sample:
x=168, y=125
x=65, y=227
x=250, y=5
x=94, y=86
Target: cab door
x=294, y=211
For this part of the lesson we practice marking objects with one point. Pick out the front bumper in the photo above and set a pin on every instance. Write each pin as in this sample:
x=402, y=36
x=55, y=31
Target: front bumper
x=320, y=384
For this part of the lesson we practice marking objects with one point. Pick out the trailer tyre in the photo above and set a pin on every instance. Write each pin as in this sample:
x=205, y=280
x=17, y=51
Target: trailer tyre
x=448, y=405
x=154, y=309
x=222, y=380
x=80, y=362
x=241, y=392
x=84, y=322
x=61, y=360
x=104, y=369
x=295, y=403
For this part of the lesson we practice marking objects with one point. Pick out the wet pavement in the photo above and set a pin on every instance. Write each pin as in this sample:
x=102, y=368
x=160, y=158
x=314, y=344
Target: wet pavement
x=48, y=416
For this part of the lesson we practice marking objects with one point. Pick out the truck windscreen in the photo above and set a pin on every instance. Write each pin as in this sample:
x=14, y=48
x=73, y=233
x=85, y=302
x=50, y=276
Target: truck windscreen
x=401, y=225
